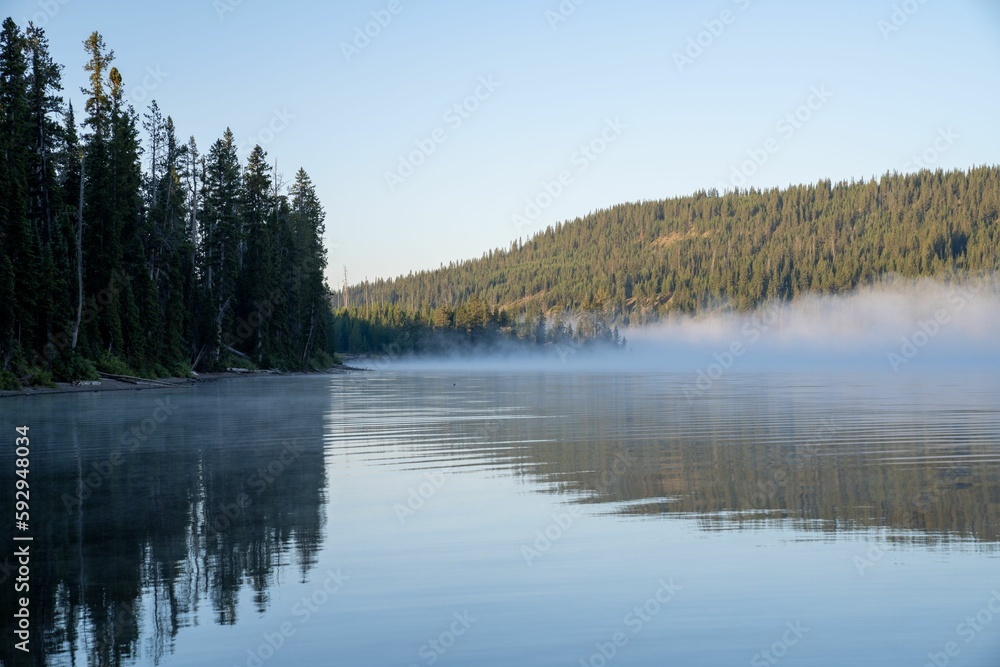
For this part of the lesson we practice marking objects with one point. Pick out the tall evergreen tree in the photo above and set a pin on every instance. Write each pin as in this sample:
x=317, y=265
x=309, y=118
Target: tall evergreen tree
x=71, y=180
x=257, y=279
x=138, y=303
x=48, y=217
x=220, y=241
x=18, y=240
x=307, y=225
x=192, y=170
x=172, y=261
x=103, y=250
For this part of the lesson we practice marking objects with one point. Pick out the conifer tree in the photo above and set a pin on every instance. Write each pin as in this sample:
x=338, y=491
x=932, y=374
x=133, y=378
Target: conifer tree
x=220, y=240
x=18, y=240
x=108, y=263
x=257, y=279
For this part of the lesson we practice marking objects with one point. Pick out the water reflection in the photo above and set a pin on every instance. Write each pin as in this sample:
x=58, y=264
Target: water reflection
x=830, y=454
x=159, y=511
x=153, y=513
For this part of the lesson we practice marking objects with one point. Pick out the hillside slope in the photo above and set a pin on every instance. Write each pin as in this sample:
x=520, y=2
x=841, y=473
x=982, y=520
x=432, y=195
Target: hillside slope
x=637, y=262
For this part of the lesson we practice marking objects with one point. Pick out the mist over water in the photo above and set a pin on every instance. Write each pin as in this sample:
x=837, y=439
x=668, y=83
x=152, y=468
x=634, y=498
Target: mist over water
x=898, y=326
x=895, y=326
x=270, y=518
x=715, y=454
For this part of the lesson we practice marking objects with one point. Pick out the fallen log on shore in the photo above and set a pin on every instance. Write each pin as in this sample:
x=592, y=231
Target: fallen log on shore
x=132, y=380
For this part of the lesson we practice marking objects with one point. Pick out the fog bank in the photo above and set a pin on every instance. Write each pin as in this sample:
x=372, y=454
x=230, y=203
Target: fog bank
x=897, y=327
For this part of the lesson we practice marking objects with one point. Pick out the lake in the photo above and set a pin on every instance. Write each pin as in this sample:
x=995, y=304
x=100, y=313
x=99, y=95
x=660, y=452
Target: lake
x=428, y=517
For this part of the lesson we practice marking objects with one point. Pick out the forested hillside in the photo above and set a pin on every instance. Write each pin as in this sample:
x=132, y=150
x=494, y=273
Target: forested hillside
x=127, y=250
x=124, y=249
x=634, y=263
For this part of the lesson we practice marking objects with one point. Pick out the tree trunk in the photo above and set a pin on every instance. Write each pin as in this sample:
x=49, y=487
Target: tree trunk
x=309, y=340
x=197, y=359
x=79, y=257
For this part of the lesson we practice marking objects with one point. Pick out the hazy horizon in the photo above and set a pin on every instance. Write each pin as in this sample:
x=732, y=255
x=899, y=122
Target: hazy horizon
x=901, y=327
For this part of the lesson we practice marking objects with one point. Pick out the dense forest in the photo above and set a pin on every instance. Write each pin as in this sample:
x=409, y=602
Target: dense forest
x=126, y=250
x=635, y=263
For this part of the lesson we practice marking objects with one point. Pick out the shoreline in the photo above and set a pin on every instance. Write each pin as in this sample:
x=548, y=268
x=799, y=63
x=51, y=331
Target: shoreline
x=110, y=384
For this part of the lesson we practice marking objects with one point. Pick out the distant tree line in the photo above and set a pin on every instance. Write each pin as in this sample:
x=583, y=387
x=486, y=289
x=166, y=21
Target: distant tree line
x=143, y=256
x=469, y=327
x=636, y=263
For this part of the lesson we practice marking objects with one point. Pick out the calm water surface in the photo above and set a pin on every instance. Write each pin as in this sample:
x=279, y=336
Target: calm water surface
x=515, y=519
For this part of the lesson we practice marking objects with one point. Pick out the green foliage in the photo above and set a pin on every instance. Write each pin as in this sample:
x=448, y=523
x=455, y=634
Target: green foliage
x=72, y=367
x=233, y=361
x=37, y=377
x=321, y=361
x=9, y=381
x=107, y=362
x=169, y=261
x=29, y=375
x=179, y=369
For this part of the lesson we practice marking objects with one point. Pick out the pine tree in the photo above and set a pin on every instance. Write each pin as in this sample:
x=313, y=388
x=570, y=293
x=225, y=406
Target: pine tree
x=101, y=238
x=257, y=280
x=192, y=169
x=18, y=239
x=48, y=217
x=138, y=305
x=71, y=180
x=308, y=263
x=220, y=241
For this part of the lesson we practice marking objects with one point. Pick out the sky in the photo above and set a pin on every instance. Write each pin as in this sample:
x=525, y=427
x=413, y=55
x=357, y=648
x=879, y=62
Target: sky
x=438, y=130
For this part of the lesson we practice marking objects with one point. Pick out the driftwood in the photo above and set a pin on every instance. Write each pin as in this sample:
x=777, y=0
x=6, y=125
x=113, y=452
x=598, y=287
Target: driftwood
x=132, y=380
x=197, y=360
x=237, y=352
x=79, y=254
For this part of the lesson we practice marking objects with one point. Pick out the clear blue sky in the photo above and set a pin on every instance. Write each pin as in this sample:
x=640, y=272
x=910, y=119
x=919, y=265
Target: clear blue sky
x=347, y=119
